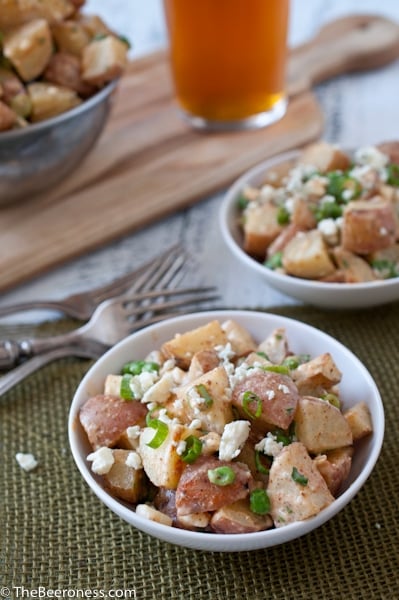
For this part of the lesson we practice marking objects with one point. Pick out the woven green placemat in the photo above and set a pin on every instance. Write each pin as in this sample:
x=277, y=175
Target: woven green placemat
x=56, y=536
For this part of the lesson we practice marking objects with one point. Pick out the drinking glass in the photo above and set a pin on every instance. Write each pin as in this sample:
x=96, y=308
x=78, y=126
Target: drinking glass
x=228, y=60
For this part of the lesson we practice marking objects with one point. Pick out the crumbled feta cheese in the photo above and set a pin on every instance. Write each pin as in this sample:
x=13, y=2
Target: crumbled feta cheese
x=133, y=432
x=27, y=461
x=196, y=401
x=181, y=447
x=365, y=175
x=370, y=155
x=234, y=437
x=285, y=389
x=168, y=365
x=329, y=230
x=270, y=394
x=225, y=353
x=269, y=445
x=267, y=193
x=195, y=424
x=102, y=460
x=133, y=459
x=139, y=384
x=160, y=390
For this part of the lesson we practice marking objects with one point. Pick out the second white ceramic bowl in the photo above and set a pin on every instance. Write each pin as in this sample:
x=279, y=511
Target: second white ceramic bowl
x=324, y=295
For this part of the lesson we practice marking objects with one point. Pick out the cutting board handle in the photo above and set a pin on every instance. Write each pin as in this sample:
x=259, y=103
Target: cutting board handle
x=353, y=43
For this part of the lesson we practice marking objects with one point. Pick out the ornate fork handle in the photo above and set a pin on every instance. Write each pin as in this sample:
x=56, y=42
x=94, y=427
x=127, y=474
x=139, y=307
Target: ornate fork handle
x=8, y=381
x=13, y=352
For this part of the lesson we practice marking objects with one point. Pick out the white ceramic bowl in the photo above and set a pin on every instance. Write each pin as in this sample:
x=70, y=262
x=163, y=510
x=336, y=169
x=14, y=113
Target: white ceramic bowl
x=324, y=295
x=356, y=385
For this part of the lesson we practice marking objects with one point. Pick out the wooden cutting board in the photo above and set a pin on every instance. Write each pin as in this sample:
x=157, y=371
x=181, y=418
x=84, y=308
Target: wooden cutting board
x=149, y=163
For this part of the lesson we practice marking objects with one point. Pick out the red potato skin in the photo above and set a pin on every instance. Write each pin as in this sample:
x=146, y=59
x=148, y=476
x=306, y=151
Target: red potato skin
x=196, y=494
x=106, y=418
x=278, y=410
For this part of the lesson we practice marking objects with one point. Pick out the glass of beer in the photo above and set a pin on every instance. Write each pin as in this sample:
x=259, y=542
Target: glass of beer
x=228, y=60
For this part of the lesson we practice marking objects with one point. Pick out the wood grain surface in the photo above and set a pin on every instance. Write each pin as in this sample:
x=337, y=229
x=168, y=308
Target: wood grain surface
x=149, y=163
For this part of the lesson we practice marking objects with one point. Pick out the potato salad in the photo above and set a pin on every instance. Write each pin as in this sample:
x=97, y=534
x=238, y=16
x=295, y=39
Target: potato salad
x=52, y=58
x=216, y=432
x=328, y=216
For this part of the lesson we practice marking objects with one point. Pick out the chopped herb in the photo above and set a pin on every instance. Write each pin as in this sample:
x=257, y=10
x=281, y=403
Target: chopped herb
x=387, y=269
x=193, y=449
x=203, y=392
x=282, y=437
x=393, y=175
x=135, y=367
x=275, y=261
x=221, y=476
x=258, y=464
x=125, y=40
x=125, y=390
x=249, y=398
x=293, y=362
x=332, y=399
x=242, y=202
x=327, y=210
x=341, y=184
x=283, y=216
x=161, y=433
x=259, y=502
x=282, y=369
x=263, y=355
x=298, y=477
x=99, y=36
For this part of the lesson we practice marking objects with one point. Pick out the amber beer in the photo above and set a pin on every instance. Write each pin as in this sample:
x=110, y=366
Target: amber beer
x=228, y=59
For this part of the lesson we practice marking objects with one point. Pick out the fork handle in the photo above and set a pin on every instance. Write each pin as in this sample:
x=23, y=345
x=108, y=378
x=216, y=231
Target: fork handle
x=13, y=352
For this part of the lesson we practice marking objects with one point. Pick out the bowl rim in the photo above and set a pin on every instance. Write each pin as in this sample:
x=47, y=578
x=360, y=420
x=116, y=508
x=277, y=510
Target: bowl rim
x=228, y=210
x=33, y=128
x=214, y=541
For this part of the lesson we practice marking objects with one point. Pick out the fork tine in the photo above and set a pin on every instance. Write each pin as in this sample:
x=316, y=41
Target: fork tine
x=138, y=279
x=161, y=293
x=200, y=295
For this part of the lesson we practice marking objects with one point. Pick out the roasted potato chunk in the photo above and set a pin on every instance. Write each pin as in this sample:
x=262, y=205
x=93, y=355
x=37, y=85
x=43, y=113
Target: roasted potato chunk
x=359, y=420
x=106, y=418
x=296, y=488
x=29, y=48
x=368, y=226
x=49, y=100
x=307, y=256
x=321, y=426
x=261, y=227
x=103, y=60
x=125, y=481
x=325, y=157
x=238, y=518
x=183, y=346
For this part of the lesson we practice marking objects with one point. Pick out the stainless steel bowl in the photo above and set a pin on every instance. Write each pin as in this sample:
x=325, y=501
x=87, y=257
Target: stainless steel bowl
x=35, y=158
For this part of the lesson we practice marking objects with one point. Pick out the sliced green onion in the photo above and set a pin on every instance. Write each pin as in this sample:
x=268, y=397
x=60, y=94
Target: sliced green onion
x=332, y=399
x=275, y=261
x=149, y=416
x=385, y=268
x=249, y=398
x=242, y=202
x=293, y=362
x=282, y=369
x=161, y=433
x=125, y=40
x=258, y=464
x=263, y=355
x=339, y=183
x=328, y=210
x=282, y=437
x=203, y=392
x=125, y=390
x=193, y=449
x=298, y=477
x=283, y=216
x=221, y=475
x=259, y=502
x=393, y=175
x=135, y=367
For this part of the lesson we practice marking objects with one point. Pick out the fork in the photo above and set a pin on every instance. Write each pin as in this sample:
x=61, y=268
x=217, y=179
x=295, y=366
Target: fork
x=112, y=321
x=82, y=305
